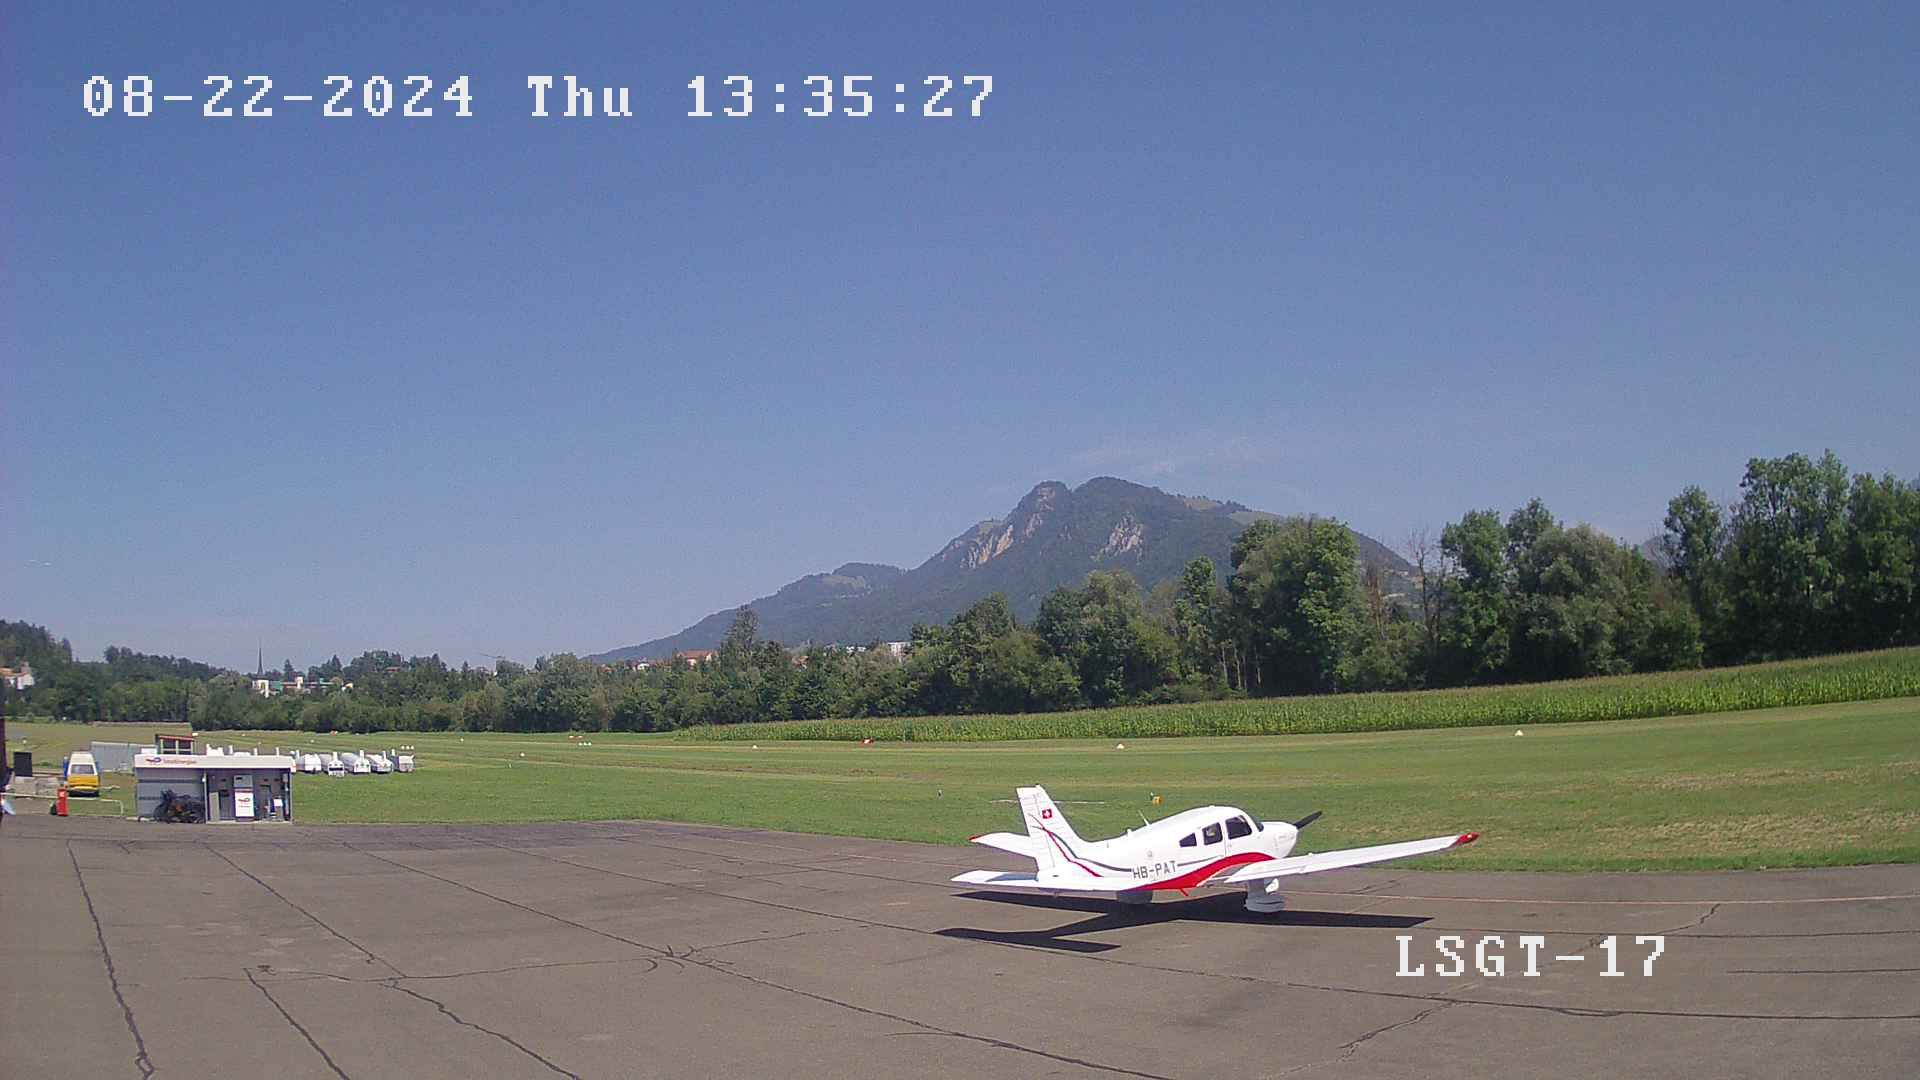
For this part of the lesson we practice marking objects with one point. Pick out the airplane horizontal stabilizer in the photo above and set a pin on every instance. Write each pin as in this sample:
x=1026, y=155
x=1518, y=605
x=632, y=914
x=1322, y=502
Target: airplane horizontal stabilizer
x=1017, y=843
x=1018, y=882
x=1338, y=860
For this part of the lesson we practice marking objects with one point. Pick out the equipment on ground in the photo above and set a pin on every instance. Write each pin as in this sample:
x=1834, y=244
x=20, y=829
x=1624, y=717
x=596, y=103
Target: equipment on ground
x=1206, y=847
x=182, y=809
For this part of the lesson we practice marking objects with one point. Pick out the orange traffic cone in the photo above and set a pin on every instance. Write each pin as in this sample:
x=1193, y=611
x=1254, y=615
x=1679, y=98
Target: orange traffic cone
x=60, y=803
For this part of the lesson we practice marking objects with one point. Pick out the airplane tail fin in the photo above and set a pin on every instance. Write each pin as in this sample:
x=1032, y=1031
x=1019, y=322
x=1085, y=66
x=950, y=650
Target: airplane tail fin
x=1048, y=828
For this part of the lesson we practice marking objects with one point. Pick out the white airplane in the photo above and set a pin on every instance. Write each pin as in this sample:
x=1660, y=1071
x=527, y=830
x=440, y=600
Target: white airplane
x=1207, y=847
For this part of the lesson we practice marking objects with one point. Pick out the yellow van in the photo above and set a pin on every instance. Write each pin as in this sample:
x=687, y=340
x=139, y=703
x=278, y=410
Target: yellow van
x=83, y=776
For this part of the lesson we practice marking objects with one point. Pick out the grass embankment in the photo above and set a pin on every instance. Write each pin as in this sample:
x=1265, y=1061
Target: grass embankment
x=1812, y=786
x=1874, y=676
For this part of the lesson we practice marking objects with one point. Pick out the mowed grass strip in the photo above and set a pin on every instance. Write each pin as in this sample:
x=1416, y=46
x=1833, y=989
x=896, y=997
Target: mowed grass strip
x=1811, y=786
x=1871, y=676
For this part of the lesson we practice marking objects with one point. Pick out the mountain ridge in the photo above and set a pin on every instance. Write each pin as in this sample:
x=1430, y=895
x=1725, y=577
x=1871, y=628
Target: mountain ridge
x=1053, y=536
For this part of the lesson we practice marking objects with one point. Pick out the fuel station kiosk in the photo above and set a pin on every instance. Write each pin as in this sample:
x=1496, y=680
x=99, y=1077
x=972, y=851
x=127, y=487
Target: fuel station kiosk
x=233, y=786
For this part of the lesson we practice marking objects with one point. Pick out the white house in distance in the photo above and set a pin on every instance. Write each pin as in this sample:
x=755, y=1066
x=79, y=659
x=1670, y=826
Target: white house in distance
x=18, y=680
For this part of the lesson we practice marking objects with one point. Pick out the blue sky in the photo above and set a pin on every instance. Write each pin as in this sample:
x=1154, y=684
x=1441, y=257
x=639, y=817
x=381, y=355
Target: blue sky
x=505, y=385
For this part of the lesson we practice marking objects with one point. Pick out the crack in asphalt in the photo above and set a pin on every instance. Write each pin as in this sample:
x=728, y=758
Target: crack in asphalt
x=653, y=965
x=1348, y=1049
x=317, y=921
x=141, y=1060
x=294, y=975
x=296, y=1025
x=1711, y=912
x=393, y=984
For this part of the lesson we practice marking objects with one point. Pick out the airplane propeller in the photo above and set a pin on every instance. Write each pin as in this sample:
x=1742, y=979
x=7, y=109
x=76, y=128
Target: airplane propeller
x=1308, y=820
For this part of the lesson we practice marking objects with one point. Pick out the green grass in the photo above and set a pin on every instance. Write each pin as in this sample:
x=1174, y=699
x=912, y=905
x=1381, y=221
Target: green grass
x=1807, y=786
x=1873, y=676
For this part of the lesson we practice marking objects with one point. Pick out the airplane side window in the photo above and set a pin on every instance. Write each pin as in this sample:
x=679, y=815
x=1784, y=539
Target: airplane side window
x=1190, y=839
x=1210, y=834
x=1238, y=827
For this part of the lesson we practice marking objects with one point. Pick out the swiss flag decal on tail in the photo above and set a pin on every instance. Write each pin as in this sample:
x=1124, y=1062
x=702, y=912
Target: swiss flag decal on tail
x=1046, y=813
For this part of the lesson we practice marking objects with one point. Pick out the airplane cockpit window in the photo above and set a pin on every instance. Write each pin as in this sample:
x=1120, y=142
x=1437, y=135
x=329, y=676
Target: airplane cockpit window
x=1237, y=827
x=1190, y=839
x=1210, y=834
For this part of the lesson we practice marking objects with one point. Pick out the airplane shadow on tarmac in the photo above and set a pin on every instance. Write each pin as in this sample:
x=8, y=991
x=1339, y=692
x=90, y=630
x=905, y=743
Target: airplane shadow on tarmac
x=1112, y=915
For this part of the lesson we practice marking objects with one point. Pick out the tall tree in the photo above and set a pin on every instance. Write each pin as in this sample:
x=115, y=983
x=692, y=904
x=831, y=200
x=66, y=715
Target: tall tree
x=1476, y=633
x=1880, y=563
x=1196, y=618
x=1786, y=547
x=1299, y=591
x=1695, y=544
x=736, y=649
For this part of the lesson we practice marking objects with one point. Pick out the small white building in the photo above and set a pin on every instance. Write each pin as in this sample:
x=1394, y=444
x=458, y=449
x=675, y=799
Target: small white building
x=232, y=786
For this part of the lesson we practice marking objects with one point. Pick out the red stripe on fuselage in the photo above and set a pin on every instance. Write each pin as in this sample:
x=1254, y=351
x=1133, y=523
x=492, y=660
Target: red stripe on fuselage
x=1200, y=874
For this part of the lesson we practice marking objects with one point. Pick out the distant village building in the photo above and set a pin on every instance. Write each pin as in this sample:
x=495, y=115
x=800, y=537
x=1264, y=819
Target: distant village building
x=268, y=686
x=21, y=679
x=695, y=657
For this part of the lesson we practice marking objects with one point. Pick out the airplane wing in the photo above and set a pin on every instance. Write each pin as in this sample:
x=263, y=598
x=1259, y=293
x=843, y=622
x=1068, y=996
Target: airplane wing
x=1017, y=843
x=1019, y=882
x=1336, y=860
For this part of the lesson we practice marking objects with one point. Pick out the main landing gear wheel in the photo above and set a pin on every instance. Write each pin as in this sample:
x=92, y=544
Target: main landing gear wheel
x=1265, y=898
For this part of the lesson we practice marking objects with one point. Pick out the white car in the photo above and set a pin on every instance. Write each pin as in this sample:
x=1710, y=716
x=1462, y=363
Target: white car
x=380, y=762
x=312, y=763
x=336, y=767
x=404, y=764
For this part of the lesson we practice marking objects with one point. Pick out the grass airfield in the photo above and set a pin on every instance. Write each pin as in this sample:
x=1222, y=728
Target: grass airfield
x=1815, y=786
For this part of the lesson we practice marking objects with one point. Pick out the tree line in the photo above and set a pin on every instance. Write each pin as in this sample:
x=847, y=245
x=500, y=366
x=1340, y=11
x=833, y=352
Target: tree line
x=1807, y=560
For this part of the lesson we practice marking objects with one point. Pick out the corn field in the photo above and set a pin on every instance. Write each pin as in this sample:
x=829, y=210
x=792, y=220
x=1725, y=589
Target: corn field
x=1825, y=680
